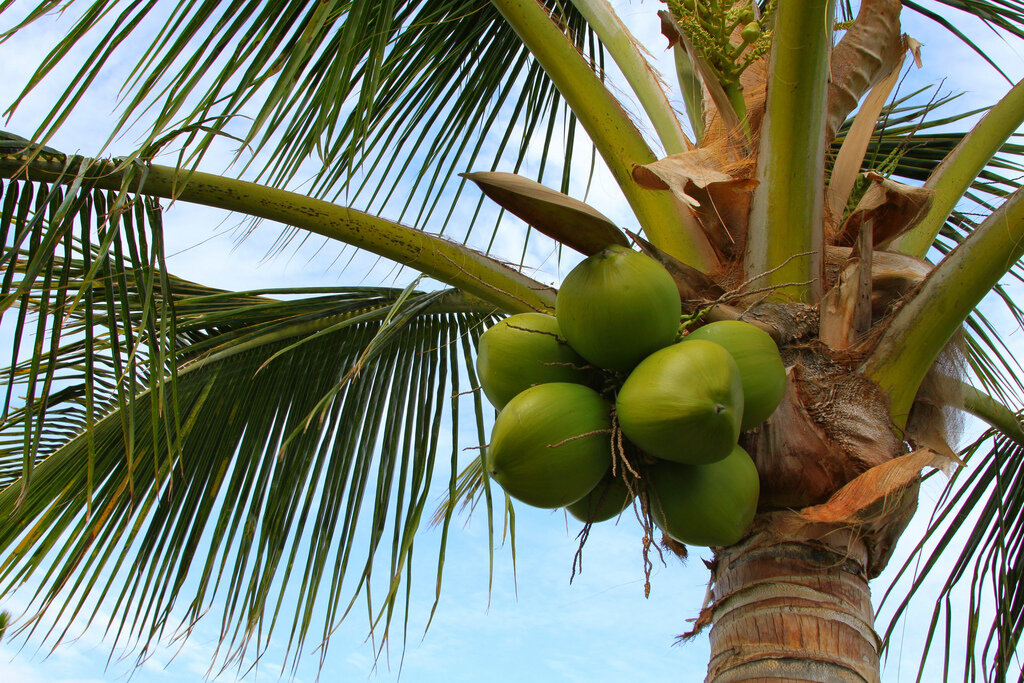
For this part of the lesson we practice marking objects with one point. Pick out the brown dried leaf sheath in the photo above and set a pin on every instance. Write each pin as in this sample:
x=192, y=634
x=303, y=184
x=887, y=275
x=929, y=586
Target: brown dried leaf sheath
x=891, y=207
x=856, y=502
x=718, y=193
x=864, y=56
x=570, y=221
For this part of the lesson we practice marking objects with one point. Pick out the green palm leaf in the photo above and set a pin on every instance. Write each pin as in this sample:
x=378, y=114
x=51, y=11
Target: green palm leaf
x=159, y=412
x=1004, y=15
x=907, y=146
x=44, y=229
x=274, y=453
x=158, y=435
x=972, y=547
x=338, y=90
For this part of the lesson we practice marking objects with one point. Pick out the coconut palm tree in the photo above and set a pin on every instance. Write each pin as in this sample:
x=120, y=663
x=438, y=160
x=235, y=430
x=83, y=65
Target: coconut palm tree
x=158, y=431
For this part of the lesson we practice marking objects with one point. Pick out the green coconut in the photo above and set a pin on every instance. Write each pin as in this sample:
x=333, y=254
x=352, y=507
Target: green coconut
x=683, y=403
x=551, y=445
x=762, y=371
x=709, y=505
x=607, y=500
x=617, y=307
x=524, y=350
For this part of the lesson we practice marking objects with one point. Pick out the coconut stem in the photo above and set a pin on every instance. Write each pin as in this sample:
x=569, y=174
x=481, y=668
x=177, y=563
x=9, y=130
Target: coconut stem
x=647, y=522
x=577, y=559
x=578, y=436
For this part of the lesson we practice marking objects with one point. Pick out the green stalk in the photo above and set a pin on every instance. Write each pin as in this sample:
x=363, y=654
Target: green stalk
x=953, y=177
x=785, y=235
x=668, y=225
x=450, y=262
x=693, y=93
x=739, y=105
x=995, y=414
x=624, y=49
x=954, y=288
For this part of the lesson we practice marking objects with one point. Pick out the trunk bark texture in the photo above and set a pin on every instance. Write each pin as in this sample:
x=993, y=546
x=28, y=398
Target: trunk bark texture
x=792, y=604
x=838, y=485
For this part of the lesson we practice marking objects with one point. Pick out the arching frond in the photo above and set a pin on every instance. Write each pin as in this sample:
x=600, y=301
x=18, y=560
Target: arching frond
x=971, y=551
x=912, y=137
x=1000, y=15
x=292, y=418
x=165, y=444
x=906, y=144
x=342, y=92
x=66, y=314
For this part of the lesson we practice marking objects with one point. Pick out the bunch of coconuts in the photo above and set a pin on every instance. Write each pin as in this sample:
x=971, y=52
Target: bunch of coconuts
x=601, y=403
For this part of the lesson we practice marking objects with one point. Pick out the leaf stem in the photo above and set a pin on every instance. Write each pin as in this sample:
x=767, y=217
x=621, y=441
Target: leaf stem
x=668, y=224
x=787, y=210
x=920, y=329
x=991, y=411
x=625, y=50
x=690, y=86
x=450, y=262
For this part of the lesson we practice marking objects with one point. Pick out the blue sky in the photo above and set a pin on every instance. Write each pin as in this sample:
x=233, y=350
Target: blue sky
x=538, y=627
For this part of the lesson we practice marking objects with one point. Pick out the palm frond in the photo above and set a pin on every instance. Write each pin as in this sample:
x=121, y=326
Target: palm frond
x=434, y=255
x=343, y=91
x=999, y=15
x=259, y=482
x=972, y=549
x=988, y=352
x=160, y=434
x=971, y=545
x=912, y=137
x=44, y=229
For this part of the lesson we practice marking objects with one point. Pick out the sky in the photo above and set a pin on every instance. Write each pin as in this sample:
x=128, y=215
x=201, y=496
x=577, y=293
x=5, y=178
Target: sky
x=533, y=624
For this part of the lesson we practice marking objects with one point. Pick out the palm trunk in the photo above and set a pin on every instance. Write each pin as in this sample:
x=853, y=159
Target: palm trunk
x=791, y=601
x=789, y=607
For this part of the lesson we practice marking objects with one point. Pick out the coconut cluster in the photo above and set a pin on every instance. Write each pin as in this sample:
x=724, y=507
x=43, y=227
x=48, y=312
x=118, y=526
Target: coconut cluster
x=602, y=403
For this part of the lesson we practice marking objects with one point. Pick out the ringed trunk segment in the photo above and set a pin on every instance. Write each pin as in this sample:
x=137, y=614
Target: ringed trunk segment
x=791, y=600
x=789, y=606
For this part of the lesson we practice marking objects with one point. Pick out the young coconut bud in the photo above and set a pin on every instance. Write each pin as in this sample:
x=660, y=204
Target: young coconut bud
x=750, y=32
x=618, y=306
x=683, y=403
x=524, y=350
x=762, y=371
x=551, y=444
x=607, y=500
x=709, y=505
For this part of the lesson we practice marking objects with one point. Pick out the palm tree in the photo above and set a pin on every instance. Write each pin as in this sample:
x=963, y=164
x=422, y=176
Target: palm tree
x=156, y=430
